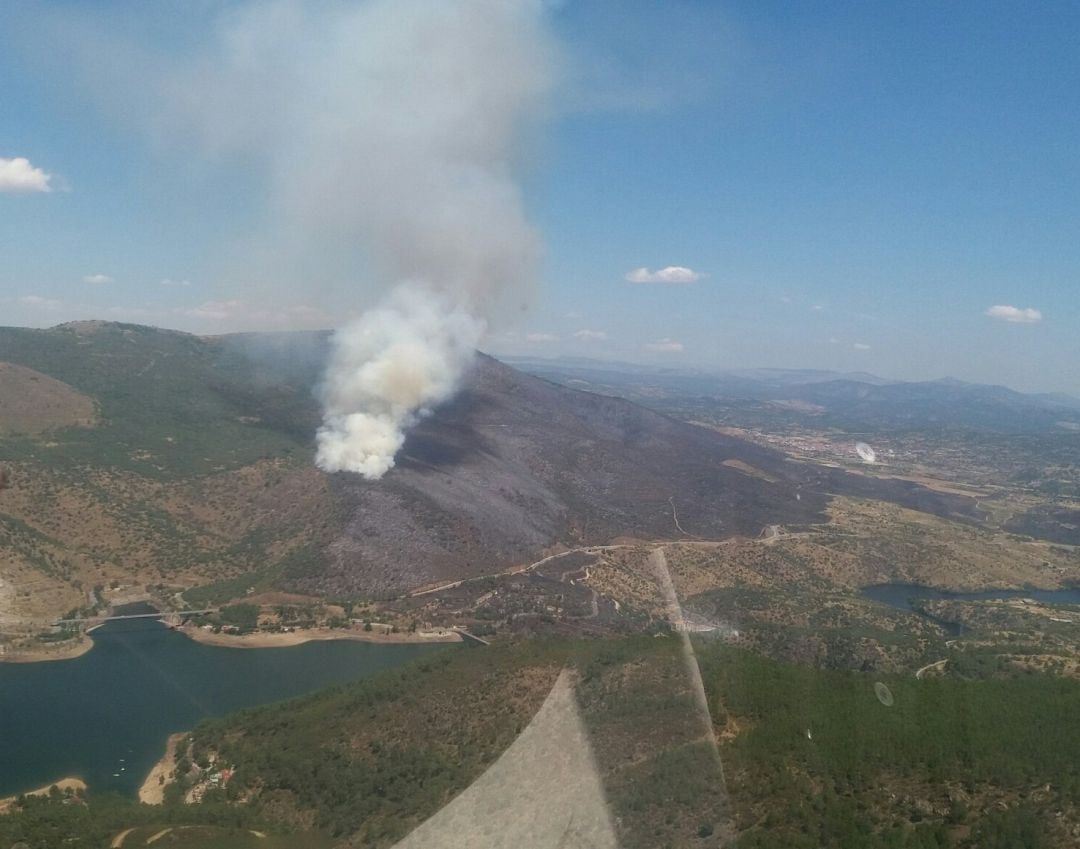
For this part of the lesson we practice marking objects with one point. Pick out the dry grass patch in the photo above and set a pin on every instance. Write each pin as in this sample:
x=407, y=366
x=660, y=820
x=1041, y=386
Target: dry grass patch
x=35, y=403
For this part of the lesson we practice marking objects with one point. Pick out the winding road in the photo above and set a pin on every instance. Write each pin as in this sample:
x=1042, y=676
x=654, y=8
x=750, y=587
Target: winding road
x=937, y=664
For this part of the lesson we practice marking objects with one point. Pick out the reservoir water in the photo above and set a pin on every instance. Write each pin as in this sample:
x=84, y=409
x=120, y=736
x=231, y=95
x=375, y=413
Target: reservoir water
x=105, y=716
x=906, y=596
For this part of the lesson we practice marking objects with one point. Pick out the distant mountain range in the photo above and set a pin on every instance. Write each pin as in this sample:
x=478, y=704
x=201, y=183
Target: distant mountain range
x=851, y=401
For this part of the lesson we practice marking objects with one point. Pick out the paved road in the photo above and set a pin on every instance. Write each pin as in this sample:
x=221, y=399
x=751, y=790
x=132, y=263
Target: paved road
x=515, y=570
x=770, y=534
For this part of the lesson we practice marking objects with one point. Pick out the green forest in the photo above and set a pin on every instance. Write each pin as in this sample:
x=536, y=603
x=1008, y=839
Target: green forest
x=841, y=760
x=826, y=762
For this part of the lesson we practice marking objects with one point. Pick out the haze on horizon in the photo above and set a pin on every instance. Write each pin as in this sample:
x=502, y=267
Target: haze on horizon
x=720, y=185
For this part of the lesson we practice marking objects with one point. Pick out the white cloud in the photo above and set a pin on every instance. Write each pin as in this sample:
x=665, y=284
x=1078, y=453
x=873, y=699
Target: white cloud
x=77, y=310
x=235, y=314
x=1016, y=315
x=666, y=346
x=97, y=278
x=861, y=346
x=671, y=274
x=591, y=335
x=132, y=312
x=40, y=303
x=305, y=313
x=215, y=310
x=168, y=282
x=817, y=307
x=18, y=175
x=541, y=338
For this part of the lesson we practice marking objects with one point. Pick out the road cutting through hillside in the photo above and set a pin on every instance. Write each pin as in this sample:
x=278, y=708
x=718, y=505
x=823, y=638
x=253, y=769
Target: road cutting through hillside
x=515, y=570
x=771, y=532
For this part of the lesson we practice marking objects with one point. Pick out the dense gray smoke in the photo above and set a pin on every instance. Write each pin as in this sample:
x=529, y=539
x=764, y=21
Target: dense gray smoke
x=420, y=169
x=383, y=138
x=423, y=170
x=443, y=89
x=393, y=127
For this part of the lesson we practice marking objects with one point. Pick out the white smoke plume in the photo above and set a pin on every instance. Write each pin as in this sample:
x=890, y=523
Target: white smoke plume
x=445, y=87
x=381, y=141
x=384, y=138
x=387, y=369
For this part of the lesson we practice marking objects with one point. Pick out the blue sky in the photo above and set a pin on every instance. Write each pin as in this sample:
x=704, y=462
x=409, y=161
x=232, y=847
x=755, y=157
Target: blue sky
x=854, y=185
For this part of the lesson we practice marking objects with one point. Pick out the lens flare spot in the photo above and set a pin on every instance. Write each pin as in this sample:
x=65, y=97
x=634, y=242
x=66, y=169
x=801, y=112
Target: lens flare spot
x=884, y=694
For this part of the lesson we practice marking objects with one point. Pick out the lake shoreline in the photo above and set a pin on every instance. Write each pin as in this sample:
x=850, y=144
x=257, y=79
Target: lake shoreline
x=69, y=783
x=67, y=650
x=152, y=790
x=71, y=649
x=80, y=719
x=266, y=640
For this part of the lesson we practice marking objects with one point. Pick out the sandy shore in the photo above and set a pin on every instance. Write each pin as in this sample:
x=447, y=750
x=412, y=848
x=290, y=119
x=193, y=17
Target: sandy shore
x=76, y=647
x=152, y=791
x=36, y=653
x=64, y=784
x=295, y=638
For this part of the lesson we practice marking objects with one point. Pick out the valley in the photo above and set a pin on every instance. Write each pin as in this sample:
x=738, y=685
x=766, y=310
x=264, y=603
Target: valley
x=194, y=476
x=533, y=517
